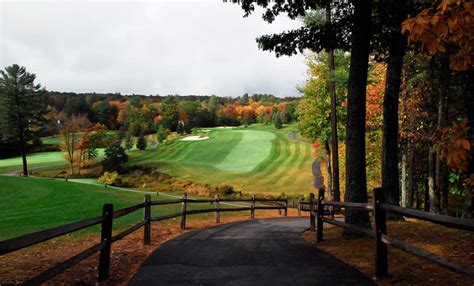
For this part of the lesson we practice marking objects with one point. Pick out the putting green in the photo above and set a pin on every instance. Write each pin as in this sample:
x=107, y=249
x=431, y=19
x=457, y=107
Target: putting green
x=253, y=148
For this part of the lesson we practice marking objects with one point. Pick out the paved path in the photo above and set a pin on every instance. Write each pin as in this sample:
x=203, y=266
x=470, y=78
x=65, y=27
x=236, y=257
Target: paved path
x=260, y=252
x=292, y=136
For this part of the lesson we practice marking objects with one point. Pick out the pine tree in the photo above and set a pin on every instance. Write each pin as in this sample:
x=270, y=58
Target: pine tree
x=21, y=108
x=278, y=123
x=141, y=142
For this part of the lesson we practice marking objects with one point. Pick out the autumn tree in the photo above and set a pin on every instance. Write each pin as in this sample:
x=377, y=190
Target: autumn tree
x=21, y=108
x=71, y=130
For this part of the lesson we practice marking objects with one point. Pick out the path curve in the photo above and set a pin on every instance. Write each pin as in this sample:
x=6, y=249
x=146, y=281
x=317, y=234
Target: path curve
x=292, y=136
x=259, y=252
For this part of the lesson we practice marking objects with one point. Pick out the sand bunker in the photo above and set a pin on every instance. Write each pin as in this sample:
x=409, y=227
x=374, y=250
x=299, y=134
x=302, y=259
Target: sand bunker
x=194, y=138
x=204, y=130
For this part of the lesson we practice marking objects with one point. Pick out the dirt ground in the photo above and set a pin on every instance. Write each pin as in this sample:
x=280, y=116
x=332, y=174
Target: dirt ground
x=404, y=268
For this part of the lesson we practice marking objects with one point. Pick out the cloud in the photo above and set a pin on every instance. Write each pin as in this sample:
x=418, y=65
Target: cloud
x=164, y=47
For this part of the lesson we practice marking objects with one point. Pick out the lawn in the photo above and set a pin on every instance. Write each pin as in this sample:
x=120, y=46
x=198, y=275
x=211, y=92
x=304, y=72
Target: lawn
x=33, y=204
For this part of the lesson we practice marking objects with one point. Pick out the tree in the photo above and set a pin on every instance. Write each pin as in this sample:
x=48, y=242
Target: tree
x=115, y=157
x=141, y=142
x=314, y=108
x=445, y=26
x=21, y=107
x=396, y=12
x=162, y=133
x=356, y=180
x=71, y=130
x=169, y=115
x=277, y=121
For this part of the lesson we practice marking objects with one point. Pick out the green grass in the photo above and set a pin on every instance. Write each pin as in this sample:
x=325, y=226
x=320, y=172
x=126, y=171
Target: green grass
x=258, y=159
x=33, y=204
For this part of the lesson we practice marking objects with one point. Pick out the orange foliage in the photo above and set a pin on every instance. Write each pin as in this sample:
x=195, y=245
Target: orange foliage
x=120, y=105
x=375, y=92
x=453, y=145
x=450, y=23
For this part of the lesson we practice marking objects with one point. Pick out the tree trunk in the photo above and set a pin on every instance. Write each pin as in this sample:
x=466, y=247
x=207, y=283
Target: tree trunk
x=434, y=200
x=396, y=50
x=23, y=154
x=438, y=163
x=404, y=178
x=330, y=174
x=429, y=183
x=334, y=139
x=21, y=134
x=468, y=98
x=356, y=180
x=411, y=182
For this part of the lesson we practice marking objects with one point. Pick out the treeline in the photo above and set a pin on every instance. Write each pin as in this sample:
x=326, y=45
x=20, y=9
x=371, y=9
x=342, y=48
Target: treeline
x=142, y=114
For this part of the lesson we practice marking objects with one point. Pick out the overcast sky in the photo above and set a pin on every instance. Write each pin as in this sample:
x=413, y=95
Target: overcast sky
x=160, y=47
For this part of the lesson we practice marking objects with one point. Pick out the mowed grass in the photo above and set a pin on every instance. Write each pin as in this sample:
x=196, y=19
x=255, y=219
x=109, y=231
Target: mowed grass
x=34, y=204
x=258, y=159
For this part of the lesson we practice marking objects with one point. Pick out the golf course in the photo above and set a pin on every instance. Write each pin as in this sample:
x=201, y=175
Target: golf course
x=259, y=159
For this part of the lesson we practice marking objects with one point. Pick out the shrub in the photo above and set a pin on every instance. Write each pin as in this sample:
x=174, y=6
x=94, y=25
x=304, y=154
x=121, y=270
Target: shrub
x=108, y=178
x=141, y=142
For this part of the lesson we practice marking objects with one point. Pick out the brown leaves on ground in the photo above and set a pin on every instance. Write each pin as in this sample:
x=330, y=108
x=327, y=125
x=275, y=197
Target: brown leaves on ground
x=126, y=257
x=404, y=268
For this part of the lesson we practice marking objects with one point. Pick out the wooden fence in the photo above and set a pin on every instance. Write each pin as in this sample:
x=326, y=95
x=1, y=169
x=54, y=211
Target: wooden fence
x=323, y=212
x=106, y=221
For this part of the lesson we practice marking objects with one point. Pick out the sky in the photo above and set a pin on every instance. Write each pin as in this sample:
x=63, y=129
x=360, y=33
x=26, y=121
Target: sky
x=147, y=47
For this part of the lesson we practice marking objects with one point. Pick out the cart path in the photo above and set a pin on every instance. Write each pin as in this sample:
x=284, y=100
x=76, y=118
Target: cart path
x=259, y=252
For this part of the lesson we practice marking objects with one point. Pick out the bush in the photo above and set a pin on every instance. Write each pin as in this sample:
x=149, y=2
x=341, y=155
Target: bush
x=108, y=178
x=115, y=157
x=141, y=142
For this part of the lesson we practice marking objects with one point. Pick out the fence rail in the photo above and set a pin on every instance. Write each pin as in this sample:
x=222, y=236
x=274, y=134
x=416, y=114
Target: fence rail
x=317, y=210
x=106, y=221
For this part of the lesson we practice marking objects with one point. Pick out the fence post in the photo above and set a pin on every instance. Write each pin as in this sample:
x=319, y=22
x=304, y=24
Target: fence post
x=146, y=218
x=183, y=210
x=312, y=208
x=218, y=210
x=106, y=236
x=381, y=256
x=299, y=206
x=320, y=212
x=252, y=207
x=285, y=212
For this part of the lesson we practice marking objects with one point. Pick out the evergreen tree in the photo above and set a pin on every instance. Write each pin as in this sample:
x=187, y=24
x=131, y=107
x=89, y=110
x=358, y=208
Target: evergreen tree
x=115, y=157
x=21, y=108
x=141, y=142
x=278, y=123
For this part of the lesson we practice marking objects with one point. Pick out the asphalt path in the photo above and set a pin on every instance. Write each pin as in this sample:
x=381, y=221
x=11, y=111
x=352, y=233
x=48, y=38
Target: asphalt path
x=259, y=252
